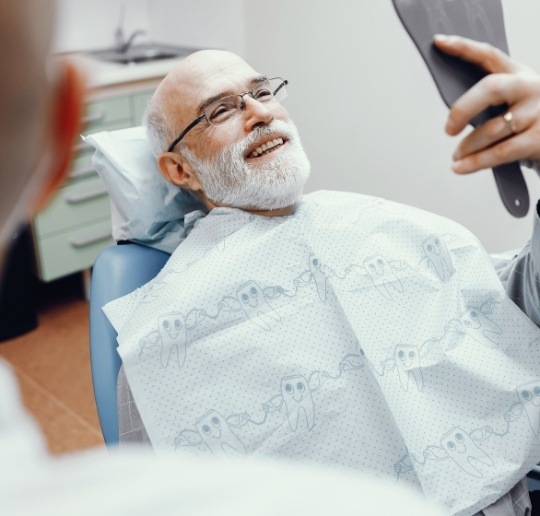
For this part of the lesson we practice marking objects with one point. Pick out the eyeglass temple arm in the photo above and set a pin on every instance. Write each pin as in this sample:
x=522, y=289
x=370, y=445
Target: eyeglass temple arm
x=184, y=132
x=282, y=85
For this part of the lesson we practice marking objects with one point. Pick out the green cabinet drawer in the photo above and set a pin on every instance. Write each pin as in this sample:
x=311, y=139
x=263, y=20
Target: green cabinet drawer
x=105, y=111
x=138, y=106
x=82, y=166
x=76, y=225
x=72, y=251
x=76, y=204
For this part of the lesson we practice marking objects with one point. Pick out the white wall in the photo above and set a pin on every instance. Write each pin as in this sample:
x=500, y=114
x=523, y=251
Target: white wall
x=84, y=24
x=199, y=23
x=370, y=116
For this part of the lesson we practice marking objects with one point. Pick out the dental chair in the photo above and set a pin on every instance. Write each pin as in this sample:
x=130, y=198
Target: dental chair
x=118, y=270
x=144, y=208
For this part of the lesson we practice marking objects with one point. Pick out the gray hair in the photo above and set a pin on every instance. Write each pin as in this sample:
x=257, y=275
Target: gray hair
x=159, y=134
x=158, y=131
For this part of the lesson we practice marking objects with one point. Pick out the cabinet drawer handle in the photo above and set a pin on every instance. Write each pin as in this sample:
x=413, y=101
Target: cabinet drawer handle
x=81, y=172
x=90, y=239
x=79, y=147
x=86, y=196
x=95, y=117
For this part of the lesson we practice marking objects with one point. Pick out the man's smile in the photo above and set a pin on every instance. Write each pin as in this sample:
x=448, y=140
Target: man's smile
x=266, y=147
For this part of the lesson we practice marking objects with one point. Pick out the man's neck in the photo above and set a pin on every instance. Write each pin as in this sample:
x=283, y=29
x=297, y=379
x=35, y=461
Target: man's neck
x=274, y=213
x=281, y=212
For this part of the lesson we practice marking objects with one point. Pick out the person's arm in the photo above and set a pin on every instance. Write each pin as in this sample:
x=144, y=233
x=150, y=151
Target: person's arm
x=521, y=276
x=497, y=141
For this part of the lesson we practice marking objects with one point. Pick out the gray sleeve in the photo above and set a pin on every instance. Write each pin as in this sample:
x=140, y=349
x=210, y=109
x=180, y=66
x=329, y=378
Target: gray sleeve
x=514, y=503
x=521, y=276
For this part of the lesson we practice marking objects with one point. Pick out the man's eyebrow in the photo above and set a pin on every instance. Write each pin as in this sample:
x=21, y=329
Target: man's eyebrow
x=210, y=100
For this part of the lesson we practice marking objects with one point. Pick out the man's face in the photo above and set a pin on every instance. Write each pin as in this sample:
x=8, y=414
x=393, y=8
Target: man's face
x=254, y=160
x=273, y=183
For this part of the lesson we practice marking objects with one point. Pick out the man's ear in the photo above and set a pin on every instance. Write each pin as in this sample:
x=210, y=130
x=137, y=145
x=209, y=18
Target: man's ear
x=178, y=171
x=64, y=126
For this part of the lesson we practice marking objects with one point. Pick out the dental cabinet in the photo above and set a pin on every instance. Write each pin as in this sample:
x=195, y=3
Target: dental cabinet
x=75, y=226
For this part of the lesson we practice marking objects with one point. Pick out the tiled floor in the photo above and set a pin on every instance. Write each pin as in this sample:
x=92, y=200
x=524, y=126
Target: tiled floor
x=53, y=367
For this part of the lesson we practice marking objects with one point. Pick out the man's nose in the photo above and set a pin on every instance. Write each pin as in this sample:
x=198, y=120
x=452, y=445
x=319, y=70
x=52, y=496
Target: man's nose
x=256, y=114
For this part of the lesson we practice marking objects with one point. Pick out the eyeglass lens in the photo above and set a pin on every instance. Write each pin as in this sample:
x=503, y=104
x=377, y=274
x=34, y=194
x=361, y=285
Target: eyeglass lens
x=265, y=91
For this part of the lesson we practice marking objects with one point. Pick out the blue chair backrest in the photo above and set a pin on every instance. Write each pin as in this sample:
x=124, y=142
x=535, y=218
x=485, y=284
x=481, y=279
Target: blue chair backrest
x=118, y=270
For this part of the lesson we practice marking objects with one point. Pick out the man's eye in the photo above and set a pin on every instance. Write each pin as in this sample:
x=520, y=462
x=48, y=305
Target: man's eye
x=222, y=112
x=262, y=94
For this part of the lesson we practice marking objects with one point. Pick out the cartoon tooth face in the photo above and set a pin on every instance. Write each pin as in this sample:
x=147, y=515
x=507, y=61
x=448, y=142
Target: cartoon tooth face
x=319, y=276
x=298, y=400
x=529, y=396
x=382, y=275
x=463, y=450
x=255, y=305
x=407, y=360
x=480, y=327
x=438, y=256
x=217, y=435
x=173, y=333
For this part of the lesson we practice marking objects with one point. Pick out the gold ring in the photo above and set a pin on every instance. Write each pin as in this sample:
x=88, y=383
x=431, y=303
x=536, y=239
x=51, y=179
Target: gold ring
x=509, y=122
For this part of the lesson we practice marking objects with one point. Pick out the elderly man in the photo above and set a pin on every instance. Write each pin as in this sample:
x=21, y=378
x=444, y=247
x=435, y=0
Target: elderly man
x=335, y=329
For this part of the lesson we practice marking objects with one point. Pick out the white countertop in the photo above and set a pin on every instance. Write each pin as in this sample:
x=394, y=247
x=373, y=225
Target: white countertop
x=101, y=74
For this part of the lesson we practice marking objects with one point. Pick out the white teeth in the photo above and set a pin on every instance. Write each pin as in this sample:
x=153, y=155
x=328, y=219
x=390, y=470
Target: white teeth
x=266, y=146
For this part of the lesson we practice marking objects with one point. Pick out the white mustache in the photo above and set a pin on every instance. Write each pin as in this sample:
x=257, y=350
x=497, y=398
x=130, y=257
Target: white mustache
x=276, y=127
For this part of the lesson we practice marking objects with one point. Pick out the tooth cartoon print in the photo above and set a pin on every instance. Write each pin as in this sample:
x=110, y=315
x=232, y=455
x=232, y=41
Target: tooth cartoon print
x=298, y=401
x=463, y=450
x=407, y=360
x=317, y=271
x=218, y=436
x=382, y=275
x=529, y=396
x=438, y=256
x=173, y=334
x=478, y=326
x=255, y=305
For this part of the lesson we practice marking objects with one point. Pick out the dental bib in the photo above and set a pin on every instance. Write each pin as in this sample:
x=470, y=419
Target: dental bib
x=357, y=333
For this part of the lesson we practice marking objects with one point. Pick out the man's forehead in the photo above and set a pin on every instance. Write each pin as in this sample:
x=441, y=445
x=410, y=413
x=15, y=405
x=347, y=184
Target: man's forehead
x=210, y=65
x=209, y=73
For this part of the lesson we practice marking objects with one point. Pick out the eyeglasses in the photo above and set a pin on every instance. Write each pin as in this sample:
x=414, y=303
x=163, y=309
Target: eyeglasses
x=226, y=108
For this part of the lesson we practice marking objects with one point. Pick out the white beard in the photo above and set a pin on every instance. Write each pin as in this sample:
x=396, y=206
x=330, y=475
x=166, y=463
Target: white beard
x=228, y=180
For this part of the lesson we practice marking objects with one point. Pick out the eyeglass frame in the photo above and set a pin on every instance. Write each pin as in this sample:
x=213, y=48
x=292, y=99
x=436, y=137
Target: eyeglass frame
x=284, y=83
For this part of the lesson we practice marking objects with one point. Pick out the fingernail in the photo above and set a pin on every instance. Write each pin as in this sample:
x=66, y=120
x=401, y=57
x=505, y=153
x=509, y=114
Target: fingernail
x=456, y=156
x=450, y=127
x=457, y=167
x=440, y=37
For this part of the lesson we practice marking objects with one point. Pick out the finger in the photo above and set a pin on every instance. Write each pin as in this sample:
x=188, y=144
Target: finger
x=512, y=149
x=484, y=55
x=493, y=131
x=492, y=90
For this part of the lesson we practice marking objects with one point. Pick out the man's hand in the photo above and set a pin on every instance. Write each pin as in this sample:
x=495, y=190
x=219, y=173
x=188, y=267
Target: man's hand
x=496, y=141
